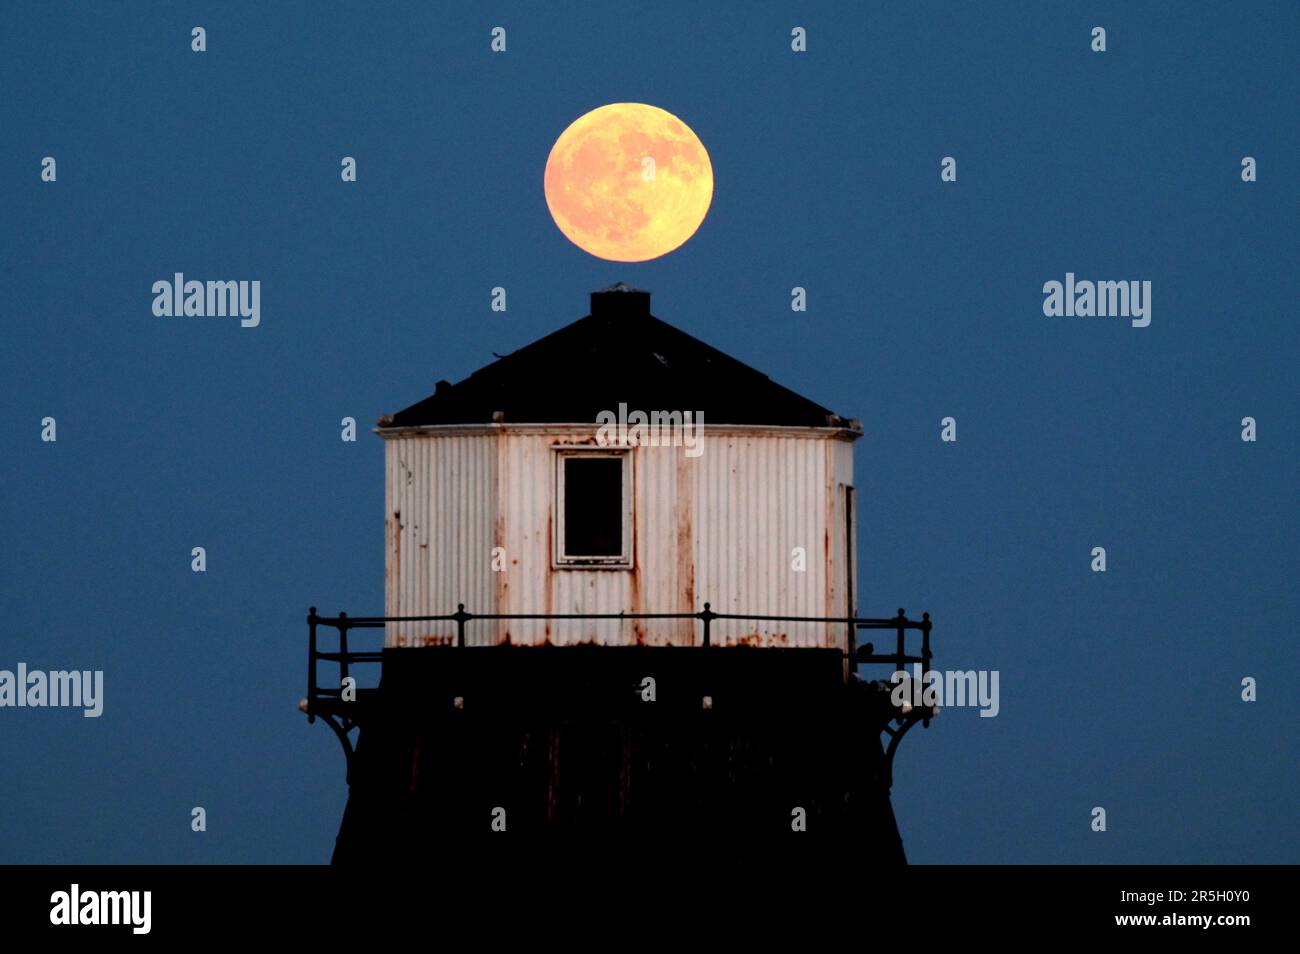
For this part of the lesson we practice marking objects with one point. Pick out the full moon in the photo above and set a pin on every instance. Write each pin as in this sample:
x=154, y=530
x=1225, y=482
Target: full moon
x=628, y=182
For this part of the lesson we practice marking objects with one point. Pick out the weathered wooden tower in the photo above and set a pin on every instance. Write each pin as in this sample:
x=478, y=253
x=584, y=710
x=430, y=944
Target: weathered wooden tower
x=620, y=596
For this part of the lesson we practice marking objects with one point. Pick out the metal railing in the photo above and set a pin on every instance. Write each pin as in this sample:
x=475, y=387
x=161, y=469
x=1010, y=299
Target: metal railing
x=346, y=658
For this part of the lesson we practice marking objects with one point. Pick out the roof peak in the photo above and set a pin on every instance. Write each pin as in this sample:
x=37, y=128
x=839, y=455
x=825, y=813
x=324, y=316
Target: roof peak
x=620, y=300
x=620, y=353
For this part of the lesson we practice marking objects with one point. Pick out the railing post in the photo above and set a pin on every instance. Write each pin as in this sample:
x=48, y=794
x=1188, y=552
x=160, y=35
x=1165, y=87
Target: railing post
x=901, y=622
x=460, y=618
x=708, y=616
x=925, y=643
x=343, y=649
x=311, y=664
x=925, y=659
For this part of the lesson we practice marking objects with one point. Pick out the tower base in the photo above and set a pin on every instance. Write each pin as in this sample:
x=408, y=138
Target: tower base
x=490, y=742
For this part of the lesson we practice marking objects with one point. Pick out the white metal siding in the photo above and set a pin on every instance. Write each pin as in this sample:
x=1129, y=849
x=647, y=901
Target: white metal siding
x=721, y=528
x=760, y=498
x=439, y=526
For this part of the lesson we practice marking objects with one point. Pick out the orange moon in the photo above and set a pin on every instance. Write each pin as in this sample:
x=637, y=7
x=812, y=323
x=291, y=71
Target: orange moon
x=628, y=182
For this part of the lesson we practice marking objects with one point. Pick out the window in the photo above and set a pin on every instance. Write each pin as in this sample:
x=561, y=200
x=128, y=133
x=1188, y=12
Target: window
x=594, y=509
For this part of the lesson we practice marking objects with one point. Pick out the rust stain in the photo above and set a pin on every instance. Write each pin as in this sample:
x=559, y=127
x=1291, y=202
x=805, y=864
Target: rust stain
x=829, y=566
x=634, y=595
x=502, y=583
x=394, y=601
x=636, y=462
x=504, y=474
x=548, y=590
x=686, y=543
x=827, y=570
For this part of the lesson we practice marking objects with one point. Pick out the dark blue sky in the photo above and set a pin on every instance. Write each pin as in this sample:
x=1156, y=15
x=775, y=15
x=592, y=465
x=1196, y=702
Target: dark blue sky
x=1120, y=690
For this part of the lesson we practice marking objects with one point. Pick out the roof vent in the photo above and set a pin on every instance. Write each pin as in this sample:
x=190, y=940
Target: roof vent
x=620, y=300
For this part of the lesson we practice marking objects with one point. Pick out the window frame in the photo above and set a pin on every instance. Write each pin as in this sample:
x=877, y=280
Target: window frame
x=564, y=561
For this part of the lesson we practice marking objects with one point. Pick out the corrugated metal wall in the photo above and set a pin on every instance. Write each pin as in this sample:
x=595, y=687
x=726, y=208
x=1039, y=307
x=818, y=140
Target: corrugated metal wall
x=440, y=529
x=722, y=527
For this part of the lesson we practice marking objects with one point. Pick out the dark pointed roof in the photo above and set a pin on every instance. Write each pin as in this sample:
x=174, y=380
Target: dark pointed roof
x=618, y=353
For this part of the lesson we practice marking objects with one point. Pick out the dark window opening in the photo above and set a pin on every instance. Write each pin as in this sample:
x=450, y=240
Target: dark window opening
x=593, y=507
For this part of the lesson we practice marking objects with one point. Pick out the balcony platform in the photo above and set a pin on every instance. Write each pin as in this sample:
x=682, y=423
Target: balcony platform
x=669, y=742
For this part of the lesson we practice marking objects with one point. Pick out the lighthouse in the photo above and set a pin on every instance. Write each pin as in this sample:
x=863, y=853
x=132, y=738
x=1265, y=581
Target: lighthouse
x=620, y=595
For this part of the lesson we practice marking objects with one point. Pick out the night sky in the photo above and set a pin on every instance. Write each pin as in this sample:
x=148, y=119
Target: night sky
x=1120, y=690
